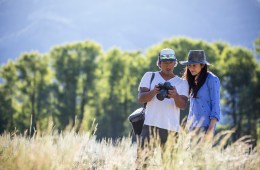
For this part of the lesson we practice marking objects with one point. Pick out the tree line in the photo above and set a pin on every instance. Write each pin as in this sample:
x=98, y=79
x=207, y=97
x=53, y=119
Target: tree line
x=76, y=84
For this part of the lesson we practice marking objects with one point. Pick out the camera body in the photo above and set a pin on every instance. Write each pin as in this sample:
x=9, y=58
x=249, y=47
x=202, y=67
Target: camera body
x=163, y=92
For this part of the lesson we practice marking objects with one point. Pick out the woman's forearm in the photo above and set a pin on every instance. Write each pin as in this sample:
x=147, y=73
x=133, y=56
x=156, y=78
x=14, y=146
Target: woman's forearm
x=212, y=124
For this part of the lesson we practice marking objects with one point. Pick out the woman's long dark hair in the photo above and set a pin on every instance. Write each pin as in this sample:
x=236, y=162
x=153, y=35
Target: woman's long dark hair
x=193, y=88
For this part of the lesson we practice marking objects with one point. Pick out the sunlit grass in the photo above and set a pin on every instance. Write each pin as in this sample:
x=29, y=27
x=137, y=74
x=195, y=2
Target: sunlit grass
x=82, y=151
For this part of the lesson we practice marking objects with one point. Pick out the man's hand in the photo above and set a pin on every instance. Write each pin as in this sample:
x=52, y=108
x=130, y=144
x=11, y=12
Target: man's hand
x=172, y=93
x=180, y=100
x=156, y=89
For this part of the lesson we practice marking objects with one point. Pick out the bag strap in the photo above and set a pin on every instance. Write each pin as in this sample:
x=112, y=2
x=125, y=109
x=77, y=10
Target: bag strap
x=151, y=80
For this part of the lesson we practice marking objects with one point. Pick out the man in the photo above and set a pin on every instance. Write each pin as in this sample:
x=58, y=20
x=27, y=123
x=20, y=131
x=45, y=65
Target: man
x=162, y=116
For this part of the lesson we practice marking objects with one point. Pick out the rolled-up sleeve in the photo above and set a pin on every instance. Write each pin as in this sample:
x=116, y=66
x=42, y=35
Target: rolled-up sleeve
x=214, y=90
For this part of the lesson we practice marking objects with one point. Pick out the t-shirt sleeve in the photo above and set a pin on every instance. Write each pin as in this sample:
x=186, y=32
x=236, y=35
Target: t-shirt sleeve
x=145, y=81
x=184, y=88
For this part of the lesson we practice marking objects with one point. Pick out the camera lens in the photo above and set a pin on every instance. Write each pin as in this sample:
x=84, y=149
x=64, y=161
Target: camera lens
x=162, y=94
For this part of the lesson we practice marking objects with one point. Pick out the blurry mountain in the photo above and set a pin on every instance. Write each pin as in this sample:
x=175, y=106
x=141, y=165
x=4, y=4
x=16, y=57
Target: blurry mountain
x=128, y=24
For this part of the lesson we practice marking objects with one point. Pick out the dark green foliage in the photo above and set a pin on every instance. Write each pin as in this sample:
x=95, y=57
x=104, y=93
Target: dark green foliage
x=76, y=84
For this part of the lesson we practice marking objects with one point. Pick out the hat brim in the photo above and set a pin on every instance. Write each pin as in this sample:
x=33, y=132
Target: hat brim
x=192, y=62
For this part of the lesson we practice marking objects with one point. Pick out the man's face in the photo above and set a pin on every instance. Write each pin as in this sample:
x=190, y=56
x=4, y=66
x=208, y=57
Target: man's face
x=167, y=66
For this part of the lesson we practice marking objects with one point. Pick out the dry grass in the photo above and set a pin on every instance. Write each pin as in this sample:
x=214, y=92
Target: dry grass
x=82, y=151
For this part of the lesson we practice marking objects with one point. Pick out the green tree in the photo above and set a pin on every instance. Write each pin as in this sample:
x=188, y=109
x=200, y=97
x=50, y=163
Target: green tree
x=257, y=48
x=74, y=65
x=250, y=107
x=80, y=81
x=118, y=78
x=257, y=45
x=7, y=97
x=33, y=74
x=220, y=46
x=238, y=69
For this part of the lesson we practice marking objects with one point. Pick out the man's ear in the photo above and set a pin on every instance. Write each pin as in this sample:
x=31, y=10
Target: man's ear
x=176, y=63
x=158, y=63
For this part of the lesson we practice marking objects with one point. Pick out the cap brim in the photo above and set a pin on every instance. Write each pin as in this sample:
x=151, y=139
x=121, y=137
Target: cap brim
x=164, y=60
x=190, y=62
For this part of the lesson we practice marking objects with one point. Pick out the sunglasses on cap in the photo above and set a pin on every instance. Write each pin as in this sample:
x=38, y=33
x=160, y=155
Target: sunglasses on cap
x=167, y=56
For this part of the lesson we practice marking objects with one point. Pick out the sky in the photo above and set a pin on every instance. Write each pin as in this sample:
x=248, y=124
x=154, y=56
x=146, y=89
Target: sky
x=34, y=25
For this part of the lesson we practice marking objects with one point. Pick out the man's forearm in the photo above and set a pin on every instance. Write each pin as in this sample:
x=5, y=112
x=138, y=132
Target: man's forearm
x=180, y=101
x=145, y=97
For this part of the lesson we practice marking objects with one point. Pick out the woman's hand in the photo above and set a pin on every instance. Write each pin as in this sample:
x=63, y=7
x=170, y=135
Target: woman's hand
x=210, y=131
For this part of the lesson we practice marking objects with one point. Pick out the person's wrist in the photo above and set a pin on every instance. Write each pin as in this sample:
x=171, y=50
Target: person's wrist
x=176, y=95
x=210, y=130
x=153, y=92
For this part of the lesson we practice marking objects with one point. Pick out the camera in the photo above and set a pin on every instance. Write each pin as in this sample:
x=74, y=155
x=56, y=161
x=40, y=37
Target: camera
x=163, y=92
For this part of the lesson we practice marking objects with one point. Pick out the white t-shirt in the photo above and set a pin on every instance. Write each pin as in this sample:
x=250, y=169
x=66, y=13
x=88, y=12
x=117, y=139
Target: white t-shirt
x=163, y=114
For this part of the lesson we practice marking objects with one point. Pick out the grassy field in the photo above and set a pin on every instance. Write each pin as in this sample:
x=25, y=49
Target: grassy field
x=82, y=151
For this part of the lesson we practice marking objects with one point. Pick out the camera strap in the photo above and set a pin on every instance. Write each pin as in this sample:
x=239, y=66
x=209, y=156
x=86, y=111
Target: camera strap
x=151, y=80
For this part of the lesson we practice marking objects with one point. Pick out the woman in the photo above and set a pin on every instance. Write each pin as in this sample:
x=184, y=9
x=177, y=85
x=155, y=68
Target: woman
x=204, y=90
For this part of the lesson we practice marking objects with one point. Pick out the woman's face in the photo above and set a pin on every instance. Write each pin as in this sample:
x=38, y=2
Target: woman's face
x=195, y=69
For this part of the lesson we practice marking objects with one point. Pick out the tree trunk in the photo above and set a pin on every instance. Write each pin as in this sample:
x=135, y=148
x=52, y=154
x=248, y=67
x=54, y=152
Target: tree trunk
x=82, y=109
x=33, y=119
x=234, y=116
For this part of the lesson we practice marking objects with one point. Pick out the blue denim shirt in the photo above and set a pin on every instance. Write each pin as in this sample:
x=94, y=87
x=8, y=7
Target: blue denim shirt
x=207, y=104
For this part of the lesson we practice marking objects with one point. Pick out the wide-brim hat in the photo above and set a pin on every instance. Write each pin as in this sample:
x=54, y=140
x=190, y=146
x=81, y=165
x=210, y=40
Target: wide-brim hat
x=167, y=54
x=195, y=57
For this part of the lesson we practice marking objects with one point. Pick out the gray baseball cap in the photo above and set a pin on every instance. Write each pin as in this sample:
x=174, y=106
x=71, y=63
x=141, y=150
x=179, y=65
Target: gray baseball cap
x=167, y=54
